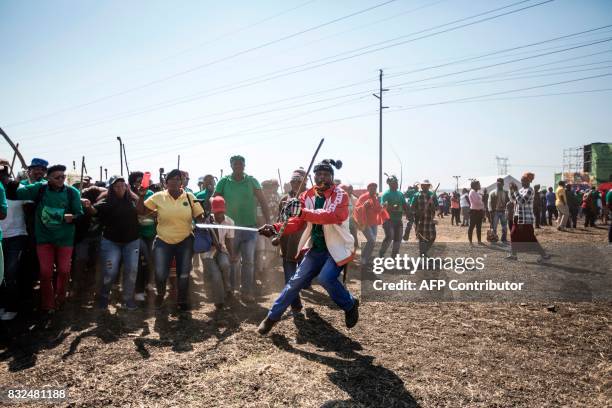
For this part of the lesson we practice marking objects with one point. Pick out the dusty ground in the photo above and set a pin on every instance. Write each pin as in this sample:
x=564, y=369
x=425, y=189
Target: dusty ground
x=400, y=354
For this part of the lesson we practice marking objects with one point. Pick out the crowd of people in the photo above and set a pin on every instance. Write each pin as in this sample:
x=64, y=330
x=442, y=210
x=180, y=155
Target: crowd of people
x=80, y=238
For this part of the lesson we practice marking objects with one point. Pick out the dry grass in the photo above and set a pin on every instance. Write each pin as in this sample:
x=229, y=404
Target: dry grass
x=400, y=354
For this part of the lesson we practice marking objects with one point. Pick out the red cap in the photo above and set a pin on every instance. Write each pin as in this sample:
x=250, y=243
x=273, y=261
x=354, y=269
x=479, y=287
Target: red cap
x=217, y=204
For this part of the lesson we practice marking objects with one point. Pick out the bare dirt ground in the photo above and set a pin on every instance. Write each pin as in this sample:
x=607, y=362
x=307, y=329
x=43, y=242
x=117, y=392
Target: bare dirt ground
x=400, y=354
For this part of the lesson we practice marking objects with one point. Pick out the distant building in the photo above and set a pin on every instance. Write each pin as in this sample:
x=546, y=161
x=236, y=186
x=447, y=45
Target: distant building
x=490, y=182
x=587, y=165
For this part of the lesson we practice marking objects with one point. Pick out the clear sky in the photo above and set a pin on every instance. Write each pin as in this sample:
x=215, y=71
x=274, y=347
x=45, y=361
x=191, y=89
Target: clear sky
x=268, y=79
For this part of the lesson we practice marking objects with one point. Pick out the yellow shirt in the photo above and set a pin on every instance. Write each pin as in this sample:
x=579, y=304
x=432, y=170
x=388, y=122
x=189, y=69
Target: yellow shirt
x=560, y=193
x=174, y=217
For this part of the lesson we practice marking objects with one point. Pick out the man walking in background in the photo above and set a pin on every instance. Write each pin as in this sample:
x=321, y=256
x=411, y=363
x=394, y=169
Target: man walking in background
x=561, y=204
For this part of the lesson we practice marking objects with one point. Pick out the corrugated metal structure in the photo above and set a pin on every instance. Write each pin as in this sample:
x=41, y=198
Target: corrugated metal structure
x=598, y=162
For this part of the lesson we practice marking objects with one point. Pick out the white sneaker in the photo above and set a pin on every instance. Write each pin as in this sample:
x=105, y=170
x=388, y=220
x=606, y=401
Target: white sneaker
x=139, y=297
x=8, y=316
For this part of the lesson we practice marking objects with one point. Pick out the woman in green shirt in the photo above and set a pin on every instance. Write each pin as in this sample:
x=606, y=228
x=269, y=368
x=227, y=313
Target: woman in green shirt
x=57, y=207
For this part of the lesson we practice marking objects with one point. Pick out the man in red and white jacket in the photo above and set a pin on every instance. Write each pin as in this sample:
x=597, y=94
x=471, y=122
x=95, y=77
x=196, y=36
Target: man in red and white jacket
x=326, y=241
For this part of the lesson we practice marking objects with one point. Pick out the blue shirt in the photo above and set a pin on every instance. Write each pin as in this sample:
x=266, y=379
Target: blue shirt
x=550, y=198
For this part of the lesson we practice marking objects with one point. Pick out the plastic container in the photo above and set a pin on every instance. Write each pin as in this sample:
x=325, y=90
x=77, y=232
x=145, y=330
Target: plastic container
x=146, y=180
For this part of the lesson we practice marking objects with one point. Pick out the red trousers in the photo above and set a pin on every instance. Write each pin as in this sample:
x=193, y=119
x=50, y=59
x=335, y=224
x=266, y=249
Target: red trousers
x=48, y=256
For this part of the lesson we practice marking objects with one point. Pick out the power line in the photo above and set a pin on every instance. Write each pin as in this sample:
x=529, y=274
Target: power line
x=366, y=114
x=504, y=92
x=198, y=67
x=503, y=63
x=289, y=117
x=242, y=84
x=358, y=93
x=308, y=126
x=477, y=81
x=342, y=103
x=213, y=40
x=396, y=15
x=239, y=30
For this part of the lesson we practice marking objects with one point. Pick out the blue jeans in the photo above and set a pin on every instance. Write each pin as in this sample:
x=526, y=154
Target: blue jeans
x=216, y=274
x=13, y=249
x=393, y=232
x=163, y=254
x=289, y=269
x=314, y=263
x=244, y=245
x=112, y=255
x=501, y=217
x=366, y=252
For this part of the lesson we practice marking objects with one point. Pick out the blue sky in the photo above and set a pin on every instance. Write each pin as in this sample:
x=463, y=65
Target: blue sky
x=176, y=78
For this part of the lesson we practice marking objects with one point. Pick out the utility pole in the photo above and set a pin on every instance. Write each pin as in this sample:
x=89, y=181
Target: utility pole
x=457, y=182
x=178, y=162
x=120, y=153
x=379, y=96
x=106, y=174
x=101, y=173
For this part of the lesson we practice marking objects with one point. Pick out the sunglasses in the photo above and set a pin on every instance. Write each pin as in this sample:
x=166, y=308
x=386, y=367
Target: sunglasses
x=62, y=177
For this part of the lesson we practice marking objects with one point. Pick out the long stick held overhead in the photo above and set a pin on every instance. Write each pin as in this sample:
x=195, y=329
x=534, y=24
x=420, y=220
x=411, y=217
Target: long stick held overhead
x=276, y=239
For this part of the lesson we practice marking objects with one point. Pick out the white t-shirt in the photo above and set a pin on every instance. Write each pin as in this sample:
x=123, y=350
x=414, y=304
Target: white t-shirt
x=14, y=224
x=223, y=233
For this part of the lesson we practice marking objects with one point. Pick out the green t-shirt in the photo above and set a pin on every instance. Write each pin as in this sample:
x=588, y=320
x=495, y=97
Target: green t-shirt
x=395, y=204
x=49, y=224
x=3, y=207
x=147, y=224
x=609, y=198
x=240, y=200
x=409, y=194
x=203, y=195
x=318, y=238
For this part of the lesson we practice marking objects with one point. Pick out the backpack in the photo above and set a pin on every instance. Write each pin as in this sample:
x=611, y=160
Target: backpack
x=43, y=189
x=202, y=238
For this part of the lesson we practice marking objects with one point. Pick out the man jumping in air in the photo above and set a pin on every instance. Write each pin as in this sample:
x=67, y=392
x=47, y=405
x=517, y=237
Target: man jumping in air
x=327, y=241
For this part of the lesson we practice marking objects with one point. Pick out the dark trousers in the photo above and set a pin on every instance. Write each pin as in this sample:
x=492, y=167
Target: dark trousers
x=589, y=217
x=30, y=273
x=455, y=216
x=393, y=232
x=552, y=210
x=13, y=249
x=536, y=212
x=425, y=245
x=476, y=217
x=146, y=264
x=572, y=220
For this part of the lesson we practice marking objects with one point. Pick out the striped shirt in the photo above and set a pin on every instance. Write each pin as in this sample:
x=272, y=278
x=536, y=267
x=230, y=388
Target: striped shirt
x=524, y=205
